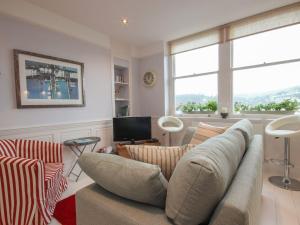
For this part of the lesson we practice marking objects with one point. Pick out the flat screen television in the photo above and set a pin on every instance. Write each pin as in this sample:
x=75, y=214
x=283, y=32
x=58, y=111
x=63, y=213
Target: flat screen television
x=132, y=128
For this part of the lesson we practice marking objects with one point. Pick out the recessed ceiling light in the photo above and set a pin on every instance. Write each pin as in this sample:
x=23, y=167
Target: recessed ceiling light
x=124, y=21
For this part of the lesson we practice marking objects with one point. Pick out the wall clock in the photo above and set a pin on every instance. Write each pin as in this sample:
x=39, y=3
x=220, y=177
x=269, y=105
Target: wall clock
x=149, y=79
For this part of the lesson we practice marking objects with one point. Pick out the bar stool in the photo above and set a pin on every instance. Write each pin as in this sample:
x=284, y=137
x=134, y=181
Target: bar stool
x=273, y=129
x=170, y=124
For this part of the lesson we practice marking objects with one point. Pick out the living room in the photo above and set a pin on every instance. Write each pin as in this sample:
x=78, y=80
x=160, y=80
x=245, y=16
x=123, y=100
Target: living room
x=101, y=75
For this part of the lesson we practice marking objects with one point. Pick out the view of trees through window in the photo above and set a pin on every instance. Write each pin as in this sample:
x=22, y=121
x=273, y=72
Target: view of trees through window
x=196, y=80
x=272, y=83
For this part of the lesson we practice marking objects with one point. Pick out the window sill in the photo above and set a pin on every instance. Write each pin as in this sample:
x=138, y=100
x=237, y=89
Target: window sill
x=232, y=118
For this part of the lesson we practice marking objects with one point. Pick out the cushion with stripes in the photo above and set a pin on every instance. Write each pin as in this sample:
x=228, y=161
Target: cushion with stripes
x=7, y=148
x=163, y=156
x=205, y=131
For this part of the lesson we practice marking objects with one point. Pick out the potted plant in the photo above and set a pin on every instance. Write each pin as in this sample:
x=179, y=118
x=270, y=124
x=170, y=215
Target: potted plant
x=197, y=108
x=287, y=106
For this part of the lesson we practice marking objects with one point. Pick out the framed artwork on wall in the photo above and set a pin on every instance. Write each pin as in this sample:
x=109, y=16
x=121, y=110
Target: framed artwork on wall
x=45, y=81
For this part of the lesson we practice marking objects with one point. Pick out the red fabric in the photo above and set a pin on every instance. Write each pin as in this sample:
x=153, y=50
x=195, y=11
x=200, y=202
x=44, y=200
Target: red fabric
x=7, y=148
x=22, y=191
x=65, y=211
x=48, y=152
x=29, y=186
x=55, y=184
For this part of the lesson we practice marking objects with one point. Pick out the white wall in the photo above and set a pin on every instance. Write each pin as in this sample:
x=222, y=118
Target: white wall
x=135, y=88
x=152, y=99
x=55, y=124
x=97, y=75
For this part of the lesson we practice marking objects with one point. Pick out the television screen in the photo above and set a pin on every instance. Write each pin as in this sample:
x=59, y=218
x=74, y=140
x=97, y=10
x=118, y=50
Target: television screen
x=132, y=128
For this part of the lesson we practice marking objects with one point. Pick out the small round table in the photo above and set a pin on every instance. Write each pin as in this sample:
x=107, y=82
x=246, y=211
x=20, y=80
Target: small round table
x=275, y=129
x=78, y=146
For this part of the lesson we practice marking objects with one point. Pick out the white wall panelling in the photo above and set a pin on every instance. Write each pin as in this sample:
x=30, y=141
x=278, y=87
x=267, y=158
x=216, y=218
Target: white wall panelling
x=61, y=132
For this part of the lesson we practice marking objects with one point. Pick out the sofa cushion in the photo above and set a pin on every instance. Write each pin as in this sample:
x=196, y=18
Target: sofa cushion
x=165, y=157
x=95, y=206
x=205, y=131
x=201, y=178
x=7, y=148
x=127, y=178
x=246, y=127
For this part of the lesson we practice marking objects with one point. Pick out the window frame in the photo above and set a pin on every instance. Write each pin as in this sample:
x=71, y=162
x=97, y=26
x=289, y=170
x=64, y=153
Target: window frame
x=225, y=83
x=173, y=77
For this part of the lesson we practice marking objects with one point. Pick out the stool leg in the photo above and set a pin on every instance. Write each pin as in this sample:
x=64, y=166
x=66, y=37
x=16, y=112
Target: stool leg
x=285, y=181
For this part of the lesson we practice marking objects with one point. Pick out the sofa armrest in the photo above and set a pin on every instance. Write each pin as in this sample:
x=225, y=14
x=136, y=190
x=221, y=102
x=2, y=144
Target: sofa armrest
x=241, y=203
x=48, y=152
x=21, y=190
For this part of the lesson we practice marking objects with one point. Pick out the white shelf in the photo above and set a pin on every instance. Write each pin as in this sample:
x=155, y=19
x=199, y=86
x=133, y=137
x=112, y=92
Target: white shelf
x=122, y=99
x=121, y=83
x=121, y=87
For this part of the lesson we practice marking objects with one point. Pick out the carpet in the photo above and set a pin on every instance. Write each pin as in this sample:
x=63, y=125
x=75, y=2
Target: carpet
x=65, y=211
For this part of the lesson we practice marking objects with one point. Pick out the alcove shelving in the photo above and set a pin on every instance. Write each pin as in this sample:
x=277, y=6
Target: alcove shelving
x=121, y=87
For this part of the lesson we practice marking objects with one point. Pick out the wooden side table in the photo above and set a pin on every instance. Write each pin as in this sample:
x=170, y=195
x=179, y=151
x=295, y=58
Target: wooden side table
x=77, y=146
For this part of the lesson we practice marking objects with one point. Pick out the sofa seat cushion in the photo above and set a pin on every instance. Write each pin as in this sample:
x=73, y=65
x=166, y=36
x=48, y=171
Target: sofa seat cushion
x=205, y=131
x=201, y=178
x=128, y=178
x=165, y=157
x=7, y=148
x=55, y=183
x=95, y=204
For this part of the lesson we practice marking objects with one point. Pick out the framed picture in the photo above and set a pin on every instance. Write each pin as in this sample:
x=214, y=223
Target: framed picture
x=44, y=81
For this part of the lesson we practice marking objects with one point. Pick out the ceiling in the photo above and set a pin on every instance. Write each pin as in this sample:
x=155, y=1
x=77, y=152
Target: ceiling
x=151, y=21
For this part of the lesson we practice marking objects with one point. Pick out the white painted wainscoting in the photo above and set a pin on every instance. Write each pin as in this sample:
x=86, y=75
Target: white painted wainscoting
x=61, y=132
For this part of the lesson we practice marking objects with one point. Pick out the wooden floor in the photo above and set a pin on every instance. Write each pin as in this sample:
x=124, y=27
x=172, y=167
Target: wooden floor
x=279, y=207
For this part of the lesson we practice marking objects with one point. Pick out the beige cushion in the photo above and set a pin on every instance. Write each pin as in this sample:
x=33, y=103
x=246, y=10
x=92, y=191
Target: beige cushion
x=96, y=206
x=246, y=127
x=205, y=131
x=201, y=178
x=165, y=157
x=127, y=178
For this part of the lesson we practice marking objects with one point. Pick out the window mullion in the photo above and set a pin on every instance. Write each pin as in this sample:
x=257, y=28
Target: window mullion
x=195, y=75
x=225, y=77
x=266, y=64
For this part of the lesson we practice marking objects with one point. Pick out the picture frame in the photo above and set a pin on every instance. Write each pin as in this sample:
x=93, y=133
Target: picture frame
x=44, y=81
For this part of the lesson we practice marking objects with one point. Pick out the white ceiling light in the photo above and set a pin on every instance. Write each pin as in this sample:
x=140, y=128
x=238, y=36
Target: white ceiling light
x=124, y=21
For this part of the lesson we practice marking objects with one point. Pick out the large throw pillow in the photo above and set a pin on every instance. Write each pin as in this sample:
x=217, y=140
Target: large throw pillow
x=163, y=156
x=246, y=127
x=127, y=178
x=205, y=131
x=201, y=178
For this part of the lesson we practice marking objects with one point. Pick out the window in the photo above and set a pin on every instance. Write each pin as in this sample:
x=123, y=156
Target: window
x=266, y=71
x=195, y=78
x=247, y=66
